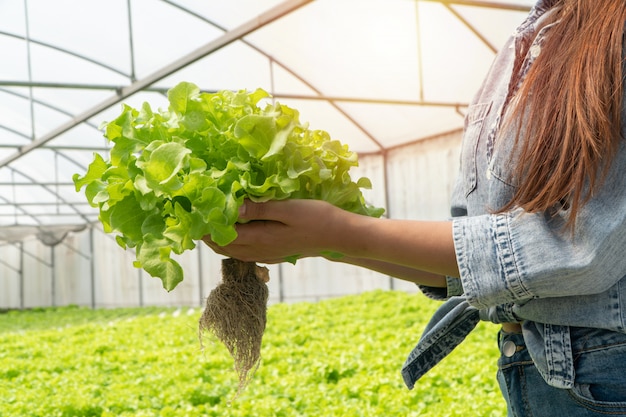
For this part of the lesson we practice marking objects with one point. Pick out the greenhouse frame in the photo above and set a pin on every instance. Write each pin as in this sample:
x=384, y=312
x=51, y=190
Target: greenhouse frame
x=392, y=79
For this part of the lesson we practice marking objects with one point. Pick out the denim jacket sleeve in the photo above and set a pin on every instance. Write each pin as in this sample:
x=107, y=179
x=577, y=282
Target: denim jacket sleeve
x=517, y=256
x=453, y=288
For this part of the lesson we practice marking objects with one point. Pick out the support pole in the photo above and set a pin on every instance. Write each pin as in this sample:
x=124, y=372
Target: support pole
x=92, y=268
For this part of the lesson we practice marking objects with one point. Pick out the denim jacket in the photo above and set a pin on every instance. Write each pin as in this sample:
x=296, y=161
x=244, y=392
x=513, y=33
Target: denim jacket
x=523, y=267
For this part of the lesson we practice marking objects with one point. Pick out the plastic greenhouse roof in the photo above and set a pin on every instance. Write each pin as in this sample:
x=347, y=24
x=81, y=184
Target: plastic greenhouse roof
x=375, y=74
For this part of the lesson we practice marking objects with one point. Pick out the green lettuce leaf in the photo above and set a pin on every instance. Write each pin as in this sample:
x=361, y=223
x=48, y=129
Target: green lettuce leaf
x=177, y=175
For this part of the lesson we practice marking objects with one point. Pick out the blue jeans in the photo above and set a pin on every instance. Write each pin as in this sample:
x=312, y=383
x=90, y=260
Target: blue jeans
x=600, y=385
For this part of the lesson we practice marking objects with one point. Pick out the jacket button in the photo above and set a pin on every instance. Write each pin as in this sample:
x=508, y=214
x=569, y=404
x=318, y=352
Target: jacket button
x=509, y=348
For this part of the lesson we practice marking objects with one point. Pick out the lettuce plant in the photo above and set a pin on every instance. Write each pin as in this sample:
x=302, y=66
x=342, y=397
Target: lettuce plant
x=174, y=176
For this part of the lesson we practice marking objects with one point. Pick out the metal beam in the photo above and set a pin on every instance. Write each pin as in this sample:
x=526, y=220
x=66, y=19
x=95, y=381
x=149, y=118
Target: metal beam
x=485, y=4
x=345, y=99
x=65, y=51
x=320, y=97
x=139, y=85
x=472, y=29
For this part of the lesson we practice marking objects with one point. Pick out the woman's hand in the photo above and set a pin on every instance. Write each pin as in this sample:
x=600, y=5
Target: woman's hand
x=273, y=231
x=277, y=230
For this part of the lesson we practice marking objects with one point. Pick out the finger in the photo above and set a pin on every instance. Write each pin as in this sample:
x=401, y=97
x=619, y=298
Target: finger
x=209, y=242
x=259, y=233
x=269, y=210
x=214, y=246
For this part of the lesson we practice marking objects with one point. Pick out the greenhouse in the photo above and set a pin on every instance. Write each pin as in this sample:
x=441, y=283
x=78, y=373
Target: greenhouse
x=391, y=79
x=86, y=331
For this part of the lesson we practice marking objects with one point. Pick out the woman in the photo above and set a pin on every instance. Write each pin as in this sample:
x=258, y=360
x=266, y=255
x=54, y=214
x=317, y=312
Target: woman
x=538, y=231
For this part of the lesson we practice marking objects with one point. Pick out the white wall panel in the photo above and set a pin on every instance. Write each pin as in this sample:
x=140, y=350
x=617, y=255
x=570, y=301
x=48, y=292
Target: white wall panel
x=10, y=276
x=72, y=266
x=37, y=274
x=116, y=280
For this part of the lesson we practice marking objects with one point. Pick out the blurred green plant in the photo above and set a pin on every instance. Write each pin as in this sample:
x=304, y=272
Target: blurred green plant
x=338, y=357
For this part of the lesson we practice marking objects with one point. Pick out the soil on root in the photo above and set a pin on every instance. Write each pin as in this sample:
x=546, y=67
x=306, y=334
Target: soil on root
x=236, y=313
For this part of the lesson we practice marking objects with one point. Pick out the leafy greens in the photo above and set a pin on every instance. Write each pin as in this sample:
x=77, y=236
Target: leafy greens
x=177, y=175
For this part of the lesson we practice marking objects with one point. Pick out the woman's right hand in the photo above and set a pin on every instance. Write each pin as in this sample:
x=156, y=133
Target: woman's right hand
x=278, y=230
x=273, y=231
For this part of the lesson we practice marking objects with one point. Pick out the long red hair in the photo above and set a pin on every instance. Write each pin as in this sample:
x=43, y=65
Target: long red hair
x=571, y=102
